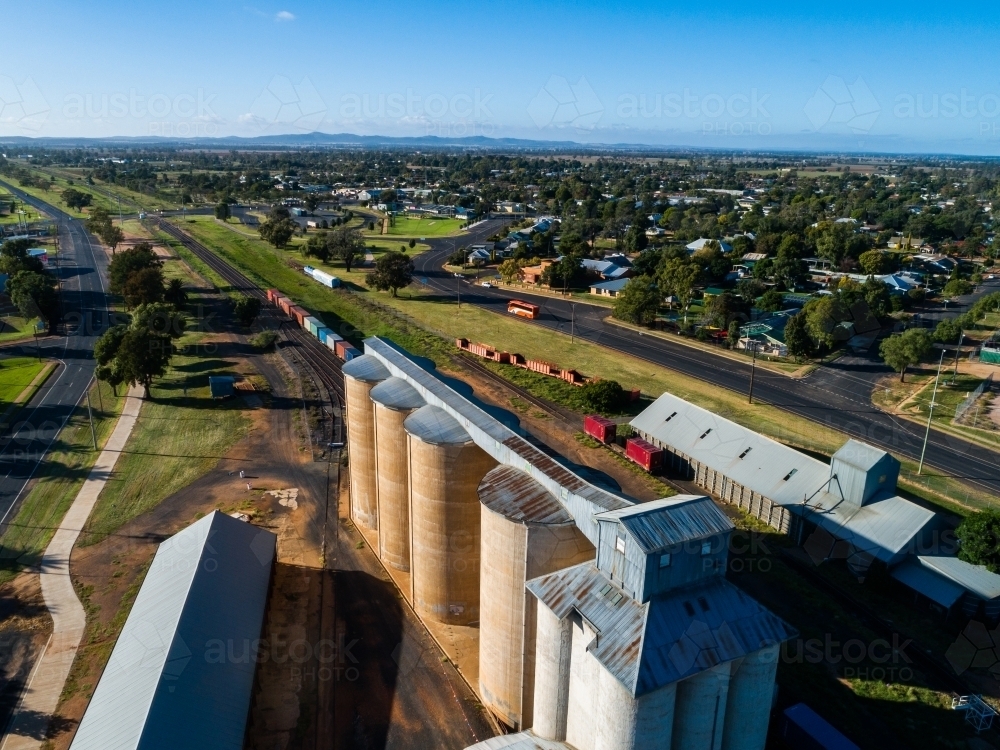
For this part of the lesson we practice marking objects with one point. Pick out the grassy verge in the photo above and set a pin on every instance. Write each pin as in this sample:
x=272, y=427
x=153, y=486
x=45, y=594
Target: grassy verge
x=427, y=326
x=407, y=226
x=59, y=478
x=16, y=374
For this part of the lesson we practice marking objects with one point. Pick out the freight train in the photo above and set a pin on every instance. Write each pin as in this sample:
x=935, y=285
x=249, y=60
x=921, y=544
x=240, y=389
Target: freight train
x=313, y=325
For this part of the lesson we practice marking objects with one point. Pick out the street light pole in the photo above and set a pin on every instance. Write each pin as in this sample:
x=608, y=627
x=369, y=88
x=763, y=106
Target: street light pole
x=753, y=368
x=930, y=414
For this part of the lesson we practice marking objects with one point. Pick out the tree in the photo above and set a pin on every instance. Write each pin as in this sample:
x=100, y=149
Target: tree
x=903, y=351
x=34, y=295
x=638, y=302
x=947, y=331
x=797, y=339
x=412, y=243
x=131, y=261
x=677, y=277
x=979, y=539
x=957, y=287
x=246, y=310
x=175, y=294
x=509, y=270
x=99, y=222
x=76, y=198
x=105, y=350
x=113, y=237
x=143, y=287
x=822, y=317
x=635, y=239
x=222, y=212
x=605, y=396
x=872, y=262
x=277, y=232
x=771, y=301
x=750, y=289
x=878, y=297
x=317, y=246
x=346, y=245
x=563, y=273
x=14, y=257
x=393, y=271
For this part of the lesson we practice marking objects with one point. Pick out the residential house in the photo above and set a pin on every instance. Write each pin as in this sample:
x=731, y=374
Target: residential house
x=479, y=256
x=609, y=288
x=698, y=244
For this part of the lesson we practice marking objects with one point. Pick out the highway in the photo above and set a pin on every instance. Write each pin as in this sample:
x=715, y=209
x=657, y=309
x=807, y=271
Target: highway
x=837, y=395
x=81, y=269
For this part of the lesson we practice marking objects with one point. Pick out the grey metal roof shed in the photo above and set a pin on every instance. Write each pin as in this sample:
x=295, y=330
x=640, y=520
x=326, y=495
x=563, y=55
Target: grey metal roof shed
x=178, y=675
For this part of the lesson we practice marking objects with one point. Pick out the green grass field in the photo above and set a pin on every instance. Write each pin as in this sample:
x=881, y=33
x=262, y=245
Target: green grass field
x=411, y=226
x=16, y=374
x=14, y=328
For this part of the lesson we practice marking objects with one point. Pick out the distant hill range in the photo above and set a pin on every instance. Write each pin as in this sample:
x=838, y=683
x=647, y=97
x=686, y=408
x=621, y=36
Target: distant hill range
x=329, y=140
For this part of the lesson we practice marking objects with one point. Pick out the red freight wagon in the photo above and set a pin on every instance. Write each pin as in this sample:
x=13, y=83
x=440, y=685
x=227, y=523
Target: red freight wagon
x=598, y=427
x=342, y=350
x=647, y=455
x=299, y=313
x=272, y=295
x=285, y=304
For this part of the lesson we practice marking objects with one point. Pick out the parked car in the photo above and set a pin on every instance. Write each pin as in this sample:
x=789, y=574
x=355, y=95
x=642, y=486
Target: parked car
x=487, y=284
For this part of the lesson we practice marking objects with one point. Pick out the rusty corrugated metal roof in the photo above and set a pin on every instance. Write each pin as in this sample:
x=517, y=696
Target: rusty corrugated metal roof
x=675, y=520
x=673, y=636
x=519, y=498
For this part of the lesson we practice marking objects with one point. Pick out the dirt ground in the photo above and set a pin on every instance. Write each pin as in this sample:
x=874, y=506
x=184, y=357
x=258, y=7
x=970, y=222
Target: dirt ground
x=25, y=627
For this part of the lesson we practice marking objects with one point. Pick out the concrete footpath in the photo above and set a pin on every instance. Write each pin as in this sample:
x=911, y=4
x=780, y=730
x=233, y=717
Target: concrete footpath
x=41, y=696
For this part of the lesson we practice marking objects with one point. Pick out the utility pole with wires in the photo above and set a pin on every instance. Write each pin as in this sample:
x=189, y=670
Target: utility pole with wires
x=930, y=414
x=753, y=368
x=572, y=323
x=958, y=353
x=90, y=413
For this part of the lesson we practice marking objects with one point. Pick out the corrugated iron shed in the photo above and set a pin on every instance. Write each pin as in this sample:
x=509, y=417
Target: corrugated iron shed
x=690, y=517
x=673, y=636
x=435, y=426
x=782, y=474
x=170, y=682
x=519, y=498
x=929, y=583
x=859, y=455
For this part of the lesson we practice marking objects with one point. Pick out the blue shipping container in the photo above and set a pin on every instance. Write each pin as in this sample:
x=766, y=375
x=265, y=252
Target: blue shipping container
x=322, y=333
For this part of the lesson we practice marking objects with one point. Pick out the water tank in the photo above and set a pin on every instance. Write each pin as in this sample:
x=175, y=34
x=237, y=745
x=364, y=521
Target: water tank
x=526, y=533
x=394, y=400
x=748, y=707
x=700, y=709
x=446, y=467
x=360, y=375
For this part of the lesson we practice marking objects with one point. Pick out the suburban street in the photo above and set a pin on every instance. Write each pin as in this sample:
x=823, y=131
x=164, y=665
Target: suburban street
x=81, y=267
x=835, y=395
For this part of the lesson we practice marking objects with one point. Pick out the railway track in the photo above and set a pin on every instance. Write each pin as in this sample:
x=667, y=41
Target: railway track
x=479, y=368
x=325, y=367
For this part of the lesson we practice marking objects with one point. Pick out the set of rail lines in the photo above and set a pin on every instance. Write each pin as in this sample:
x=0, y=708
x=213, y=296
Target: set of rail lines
x=324, y=366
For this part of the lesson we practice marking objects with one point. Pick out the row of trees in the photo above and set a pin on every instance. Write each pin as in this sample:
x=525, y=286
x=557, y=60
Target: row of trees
x=137, y=275
x=100, y=224
x=343, y=244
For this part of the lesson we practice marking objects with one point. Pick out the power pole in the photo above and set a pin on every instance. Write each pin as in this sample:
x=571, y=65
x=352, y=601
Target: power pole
x=572, y=323
x=753, y=368
x=90, y=413
x=958, y=352
x=458, y=290
x=930, y=414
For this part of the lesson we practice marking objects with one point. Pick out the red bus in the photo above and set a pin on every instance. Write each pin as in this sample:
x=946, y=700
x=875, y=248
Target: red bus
x=524, y=309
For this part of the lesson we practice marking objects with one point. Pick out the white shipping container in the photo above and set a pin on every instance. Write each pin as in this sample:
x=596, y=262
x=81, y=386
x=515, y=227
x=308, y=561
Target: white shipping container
x=331, y=341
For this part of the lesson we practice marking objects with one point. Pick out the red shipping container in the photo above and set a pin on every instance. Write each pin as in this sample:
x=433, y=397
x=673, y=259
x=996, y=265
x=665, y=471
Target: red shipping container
x=342, y=347
x=272, y=295
x=600, y=428
x=285, y=304
x=299, y=313
x=647, y=455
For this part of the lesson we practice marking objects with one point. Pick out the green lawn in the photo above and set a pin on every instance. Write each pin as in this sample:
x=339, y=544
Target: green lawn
x=16, y=374
x=411, y=226
x=14, y=328
x=62, y=473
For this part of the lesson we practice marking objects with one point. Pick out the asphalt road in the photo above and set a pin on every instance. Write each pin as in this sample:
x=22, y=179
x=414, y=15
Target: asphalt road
x=80, y=269
x=837, y=395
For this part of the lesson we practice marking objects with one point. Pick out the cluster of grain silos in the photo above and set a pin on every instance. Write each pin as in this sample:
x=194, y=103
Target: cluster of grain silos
x=415, y=472
x=603, y=624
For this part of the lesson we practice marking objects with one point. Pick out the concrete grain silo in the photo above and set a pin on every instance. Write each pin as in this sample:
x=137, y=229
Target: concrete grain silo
x=526, y=533
x=700, y=709
x=446, y=467
x=394, y=400
x=748, y=707
x=360, y=375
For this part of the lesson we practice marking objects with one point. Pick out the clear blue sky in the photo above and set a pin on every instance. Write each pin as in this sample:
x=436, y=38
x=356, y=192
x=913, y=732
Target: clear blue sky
x=878, y=76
